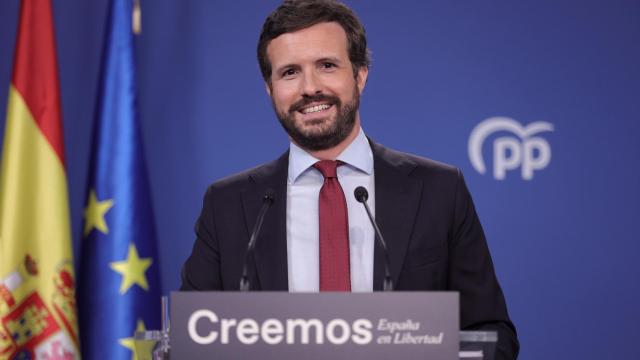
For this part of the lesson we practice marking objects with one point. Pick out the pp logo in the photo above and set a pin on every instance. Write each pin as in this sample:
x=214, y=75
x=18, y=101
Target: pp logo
x=510, y=152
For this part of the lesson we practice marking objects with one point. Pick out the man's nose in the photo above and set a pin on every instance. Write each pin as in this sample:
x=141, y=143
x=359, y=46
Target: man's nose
x=311, y=84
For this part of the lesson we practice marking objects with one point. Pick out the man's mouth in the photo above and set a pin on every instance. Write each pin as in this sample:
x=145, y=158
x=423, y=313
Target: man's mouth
x=315, y=108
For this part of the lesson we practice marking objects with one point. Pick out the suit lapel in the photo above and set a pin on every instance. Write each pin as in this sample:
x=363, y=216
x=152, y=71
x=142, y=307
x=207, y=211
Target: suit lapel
x=397, y=198
x=270, y=257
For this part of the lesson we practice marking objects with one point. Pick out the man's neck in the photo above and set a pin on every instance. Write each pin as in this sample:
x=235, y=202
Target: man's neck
x=332, y=153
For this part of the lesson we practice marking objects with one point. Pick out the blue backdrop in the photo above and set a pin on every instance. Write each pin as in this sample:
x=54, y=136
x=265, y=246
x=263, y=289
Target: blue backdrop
x=564, y=242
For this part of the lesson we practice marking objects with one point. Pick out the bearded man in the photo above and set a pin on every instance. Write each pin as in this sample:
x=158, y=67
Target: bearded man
x=314, y=60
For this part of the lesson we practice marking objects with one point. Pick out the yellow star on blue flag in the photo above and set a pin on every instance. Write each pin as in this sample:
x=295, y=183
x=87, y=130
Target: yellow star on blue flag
x=132, y=269
x=129, y=342
x=94, y=214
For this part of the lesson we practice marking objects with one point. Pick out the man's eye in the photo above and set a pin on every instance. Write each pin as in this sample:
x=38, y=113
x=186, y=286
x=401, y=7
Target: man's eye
x=328, y=65
x=288, y=72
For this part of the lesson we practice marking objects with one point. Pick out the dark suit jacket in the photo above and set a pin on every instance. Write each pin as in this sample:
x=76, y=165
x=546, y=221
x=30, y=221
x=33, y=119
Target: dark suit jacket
x=424, y=211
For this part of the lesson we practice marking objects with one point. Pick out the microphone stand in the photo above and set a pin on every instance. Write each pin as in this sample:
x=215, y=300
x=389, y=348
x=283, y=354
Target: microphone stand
x=267, y=201
x=361, y=194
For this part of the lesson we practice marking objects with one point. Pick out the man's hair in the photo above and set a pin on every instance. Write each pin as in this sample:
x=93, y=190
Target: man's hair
x=294, y=15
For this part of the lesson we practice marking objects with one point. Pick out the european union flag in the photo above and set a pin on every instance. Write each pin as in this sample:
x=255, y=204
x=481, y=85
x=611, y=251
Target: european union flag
x=118, y=291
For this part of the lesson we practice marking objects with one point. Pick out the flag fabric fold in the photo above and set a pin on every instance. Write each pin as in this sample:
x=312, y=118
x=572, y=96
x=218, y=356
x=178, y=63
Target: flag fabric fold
x=119, y=288
x=37, y=286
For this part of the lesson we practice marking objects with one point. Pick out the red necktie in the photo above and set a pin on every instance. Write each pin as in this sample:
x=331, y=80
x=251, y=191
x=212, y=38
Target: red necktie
x=334, y=231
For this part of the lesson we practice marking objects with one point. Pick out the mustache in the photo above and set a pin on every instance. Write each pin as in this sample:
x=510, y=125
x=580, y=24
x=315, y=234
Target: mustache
x=306, y=100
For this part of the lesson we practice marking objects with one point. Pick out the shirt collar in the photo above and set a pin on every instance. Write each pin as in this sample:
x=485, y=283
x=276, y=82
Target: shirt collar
x=358, y=155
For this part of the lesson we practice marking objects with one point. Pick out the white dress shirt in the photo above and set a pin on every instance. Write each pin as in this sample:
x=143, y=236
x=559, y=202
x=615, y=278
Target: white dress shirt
x=303, y=188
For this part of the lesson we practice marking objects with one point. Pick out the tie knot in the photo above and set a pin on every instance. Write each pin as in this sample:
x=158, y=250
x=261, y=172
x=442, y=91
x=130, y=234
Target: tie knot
x=328, y=168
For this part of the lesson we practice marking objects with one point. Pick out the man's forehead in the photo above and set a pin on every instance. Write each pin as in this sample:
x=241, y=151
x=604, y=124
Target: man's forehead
x=326, y=39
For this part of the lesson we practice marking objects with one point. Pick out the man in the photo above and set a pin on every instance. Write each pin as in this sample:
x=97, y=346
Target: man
x=316, y=237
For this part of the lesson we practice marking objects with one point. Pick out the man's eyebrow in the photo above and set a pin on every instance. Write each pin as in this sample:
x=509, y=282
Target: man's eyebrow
x=329, y=59
x=280, y=69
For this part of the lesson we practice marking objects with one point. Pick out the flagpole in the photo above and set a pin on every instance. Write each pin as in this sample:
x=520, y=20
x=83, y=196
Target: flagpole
x=136, y=18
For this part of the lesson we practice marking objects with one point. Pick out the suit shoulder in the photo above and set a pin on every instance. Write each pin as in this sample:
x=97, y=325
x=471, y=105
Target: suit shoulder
x=420, y=166
x=429, y=166
x=235, y=180
x=244, y=178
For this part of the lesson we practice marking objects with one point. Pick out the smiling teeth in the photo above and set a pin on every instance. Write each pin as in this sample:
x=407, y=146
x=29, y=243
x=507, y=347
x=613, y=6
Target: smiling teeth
x=315, y=109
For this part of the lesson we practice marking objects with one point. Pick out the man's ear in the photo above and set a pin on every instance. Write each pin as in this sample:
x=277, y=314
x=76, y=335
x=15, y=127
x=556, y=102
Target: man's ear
x=267, y=86
x=361, y=78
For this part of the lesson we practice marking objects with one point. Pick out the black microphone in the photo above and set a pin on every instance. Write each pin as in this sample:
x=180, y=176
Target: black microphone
x=267, y=201
x=362, y=195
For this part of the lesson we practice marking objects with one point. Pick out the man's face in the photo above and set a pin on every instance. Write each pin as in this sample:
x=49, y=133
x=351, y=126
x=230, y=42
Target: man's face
x=313, y=90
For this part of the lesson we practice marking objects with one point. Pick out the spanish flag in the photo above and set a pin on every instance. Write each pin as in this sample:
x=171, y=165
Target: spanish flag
x=37, y=286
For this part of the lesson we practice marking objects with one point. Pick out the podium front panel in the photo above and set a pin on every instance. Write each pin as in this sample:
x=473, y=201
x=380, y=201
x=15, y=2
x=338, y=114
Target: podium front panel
x=280, y=325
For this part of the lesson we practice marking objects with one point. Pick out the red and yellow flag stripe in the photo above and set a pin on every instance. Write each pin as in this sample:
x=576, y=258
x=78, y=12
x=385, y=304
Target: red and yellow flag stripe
x=37, y=287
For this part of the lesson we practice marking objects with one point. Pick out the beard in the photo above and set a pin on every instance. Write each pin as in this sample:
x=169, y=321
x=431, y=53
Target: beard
x=322, y=138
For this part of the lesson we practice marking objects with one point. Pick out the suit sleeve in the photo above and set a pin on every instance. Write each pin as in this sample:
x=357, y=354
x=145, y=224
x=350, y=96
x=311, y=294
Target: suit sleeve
x=201, y=271
x=471, y=272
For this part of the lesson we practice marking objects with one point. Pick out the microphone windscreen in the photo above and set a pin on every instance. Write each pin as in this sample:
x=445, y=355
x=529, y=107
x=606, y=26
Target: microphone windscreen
x=361, y=194
x=270, y=194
